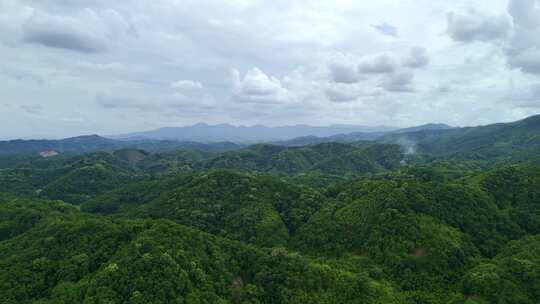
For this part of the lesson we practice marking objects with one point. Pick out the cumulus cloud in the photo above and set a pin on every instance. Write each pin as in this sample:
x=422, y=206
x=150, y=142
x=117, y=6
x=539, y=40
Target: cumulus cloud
x=527, y=60
x=189, y=94
x=343, y=70
x=400, y=81
x=386, y=29
x=476, y=26
x=257, y=87
x=524, y=50
x=526, y=13
x=418, y=58
x=256, y=82
x=519, y=35
x=380, y=64
x=145, y=59
x=186, y=85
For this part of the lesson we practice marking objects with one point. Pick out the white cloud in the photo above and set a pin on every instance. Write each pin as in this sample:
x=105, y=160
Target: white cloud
x=399, y=82
x=526, y=13
x=528, y=60
x=256, y=82
x=380, y=64
x=523, y=52
x=319, y=61
x=343, y=69
x=418, y=58
x=186, y=85
x=477, y=26
x=257, y=87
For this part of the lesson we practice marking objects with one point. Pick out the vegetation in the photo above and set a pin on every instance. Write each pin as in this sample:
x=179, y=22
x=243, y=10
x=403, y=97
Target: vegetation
x=65, y=256
x=336, y=223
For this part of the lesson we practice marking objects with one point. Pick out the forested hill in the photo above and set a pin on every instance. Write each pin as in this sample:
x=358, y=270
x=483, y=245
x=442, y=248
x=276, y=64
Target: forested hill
x=502, y=138
x=74, y=178
x=329, y=158
x=359, y=136
x=93, y=143
x=410, y=236
x=456, y=220
x=75, y=144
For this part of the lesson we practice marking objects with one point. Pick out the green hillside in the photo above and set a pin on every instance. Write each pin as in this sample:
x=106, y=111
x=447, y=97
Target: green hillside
x=458, y=222
x=257, y=210
x=498, y=143
x=77, y=258
x=326, y=158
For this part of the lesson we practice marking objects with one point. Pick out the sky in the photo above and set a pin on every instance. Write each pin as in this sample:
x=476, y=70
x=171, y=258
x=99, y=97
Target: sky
x=72, y=67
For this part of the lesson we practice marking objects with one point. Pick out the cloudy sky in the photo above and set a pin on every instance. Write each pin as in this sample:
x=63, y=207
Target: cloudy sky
x=71, y=67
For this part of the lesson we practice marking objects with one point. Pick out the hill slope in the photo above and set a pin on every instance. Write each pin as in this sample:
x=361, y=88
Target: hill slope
x=69, y=257
x=93, y=143
x=499, y=139
x=258, y=210
x=328, y=158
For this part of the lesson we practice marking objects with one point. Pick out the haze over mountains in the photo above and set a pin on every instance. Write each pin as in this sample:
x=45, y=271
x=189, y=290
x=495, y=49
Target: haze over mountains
x=212, y=138
x=203, y=132
x=90, y=143
x=431, y=138
x=281, y=135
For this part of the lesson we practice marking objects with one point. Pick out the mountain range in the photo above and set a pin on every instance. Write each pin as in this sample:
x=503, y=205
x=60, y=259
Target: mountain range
x=91, y=143
x=202, y=132
x=429, y=214
x=437, y=139
x=216, y=138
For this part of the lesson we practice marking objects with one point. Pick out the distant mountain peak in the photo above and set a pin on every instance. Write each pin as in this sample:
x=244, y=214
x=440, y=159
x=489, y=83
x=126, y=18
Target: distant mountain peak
x=87, y=138
x=426, y=127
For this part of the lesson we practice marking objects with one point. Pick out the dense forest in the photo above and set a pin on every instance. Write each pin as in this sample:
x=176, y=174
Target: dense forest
x=425, y=216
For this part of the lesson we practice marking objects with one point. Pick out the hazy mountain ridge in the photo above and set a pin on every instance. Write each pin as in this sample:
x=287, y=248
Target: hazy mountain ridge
x=522, y=134
x=360, y=136
x=225, y=132
x=91, y=143
x=218, y=138
x=438, y=139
